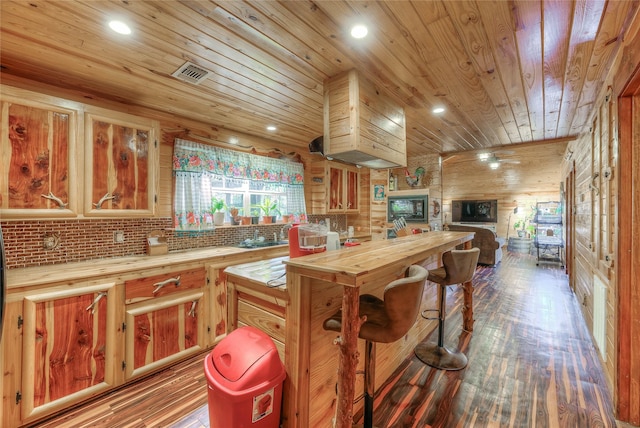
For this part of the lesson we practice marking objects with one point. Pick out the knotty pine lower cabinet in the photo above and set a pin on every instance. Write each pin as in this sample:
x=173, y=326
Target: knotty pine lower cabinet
x=218, y=307
x=258, y=306
x=165, y=320
x=69, y=347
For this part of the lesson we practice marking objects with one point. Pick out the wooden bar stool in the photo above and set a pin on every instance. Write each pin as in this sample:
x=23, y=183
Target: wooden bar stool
x=458, y=268
x=386, y=321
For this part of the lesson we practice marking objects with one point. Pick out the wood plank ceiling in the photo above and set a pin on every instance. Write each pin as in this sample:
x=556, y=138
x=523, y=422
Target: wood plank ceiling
x=506, y=72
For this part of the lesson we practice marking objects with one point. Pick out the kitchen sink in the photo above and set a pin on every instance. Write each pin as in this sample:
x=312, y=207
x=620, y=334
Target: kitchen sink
x=260, y=244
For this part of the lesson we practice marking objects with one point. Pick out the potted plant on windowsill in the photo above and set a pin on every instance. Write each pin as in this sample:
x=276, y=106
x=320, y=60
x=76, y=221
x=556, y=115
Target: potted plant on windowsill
x=269, y=210
x=255, y=216
x=234, y=214
x=217, y=209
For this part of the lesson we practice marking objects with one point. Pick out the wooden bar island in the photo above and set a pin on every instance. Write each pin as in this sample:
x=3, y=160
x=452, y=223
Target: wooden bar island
x=320, y=388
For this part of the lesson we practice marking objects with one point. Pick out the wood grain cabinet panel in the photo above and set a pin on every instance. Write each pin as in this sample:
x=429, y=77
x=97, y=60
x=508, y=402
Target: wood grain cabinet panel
x=68, y=347
x=334, y=188
x=121, y=152
x=258, y=306
x=150, y=287
x=38, y=147
x=167, y=325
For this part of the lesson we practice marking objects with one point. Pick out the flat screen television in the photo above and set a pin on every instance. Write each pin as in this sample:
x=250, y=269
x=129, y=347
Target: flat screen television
x=474, y=211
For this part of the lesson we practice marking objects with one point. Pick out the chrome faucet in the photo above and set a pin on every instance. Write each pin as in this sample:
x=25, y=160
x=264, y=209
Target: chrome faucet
x=255, y=235
x=285, y=227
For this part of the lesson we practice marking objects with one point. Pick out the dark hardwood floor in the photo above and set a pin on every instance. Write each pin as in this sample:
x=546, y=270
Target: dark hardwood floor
x=531, y=364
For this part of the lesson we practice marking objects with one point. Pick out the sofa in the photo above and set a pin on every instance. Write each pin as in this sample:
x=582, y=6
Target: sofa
x=485, y=239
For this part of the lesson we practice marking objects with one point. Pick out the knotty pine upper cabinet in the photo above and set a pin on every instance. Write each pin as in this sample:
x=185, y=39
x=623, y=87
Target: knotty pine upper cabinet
x=38, y=177
x=335, y=188
x=166, y=319
x=68, y=347
x=121, y=164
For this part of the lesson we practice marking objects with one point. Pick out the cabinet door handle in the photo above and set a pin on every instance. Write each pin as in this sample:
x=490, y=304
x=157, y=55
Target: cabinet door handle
x=161, y=284
x=107, y=196
x=192, y=311
x=55, y=199
x=95, y=301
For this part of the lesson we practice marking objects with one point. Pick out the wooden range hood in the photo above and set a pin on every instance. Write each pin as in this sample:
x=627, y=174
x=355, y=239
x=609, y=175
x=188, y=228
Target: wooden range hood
x=362, y=125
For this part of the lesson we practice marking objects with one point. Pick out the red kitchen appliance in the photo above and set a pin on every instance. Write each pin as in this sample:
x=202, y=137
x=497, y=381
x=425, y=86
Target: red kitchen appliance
x=307, y=239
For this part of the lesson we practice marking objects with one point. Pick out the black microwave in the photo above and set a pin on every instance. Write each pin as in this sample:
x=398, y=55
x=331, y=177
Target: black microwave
x=414, y=208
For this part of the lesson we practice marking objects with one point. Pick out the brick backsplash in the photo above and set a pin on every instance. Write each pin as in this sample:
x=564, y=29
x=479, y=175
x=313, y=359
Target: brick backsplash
x=88, y=239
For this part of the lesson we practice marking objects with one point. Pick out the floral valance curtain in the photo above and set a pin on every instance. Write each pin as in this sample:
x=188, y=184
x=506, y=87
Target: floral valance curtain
x=189, y=156
x=196, y=166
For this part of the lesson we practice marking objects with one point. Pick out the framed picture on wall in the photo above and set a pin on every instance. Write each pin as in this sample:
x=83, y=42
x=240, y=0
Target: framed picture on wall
x=378, y=192
x=434, y=208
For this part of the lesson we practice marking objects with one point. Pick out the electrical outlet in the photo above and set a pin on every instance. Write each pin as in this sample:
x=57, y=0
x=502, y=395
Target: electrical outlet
x=118, y=236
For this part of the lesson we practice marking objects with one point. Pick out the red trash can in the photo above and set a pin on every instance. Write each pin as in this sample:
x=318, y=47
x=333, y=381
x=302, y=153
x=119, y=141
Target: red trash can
x=244, y=377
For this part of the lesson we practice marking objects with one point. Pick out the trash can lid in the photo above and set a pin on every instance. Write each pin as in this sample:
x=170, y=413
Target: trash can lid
x=234, y=356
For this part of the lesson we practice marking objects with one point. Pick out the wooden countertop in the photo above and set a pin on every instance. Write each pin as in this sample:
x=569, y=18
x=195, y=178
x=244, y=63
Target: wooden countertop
x=353, y=266
x=67, y=272
x=268, y=272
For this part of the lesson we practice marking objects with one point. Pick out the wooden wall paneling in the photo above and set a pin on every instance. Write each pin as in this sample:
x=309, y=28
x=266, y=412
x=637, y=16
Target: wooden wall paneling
x=627, y=381
x=315, y=187
x=378, y=208
x=608, y=265
x=570, y=208
x=594, y=184
x=165, y=174
x=362, y=220
x=536, y=178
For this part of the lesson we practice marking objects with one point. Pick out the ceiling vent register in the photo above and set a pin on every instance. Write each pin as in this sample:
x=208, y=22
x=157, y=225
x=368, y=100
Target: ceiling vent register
x=191, y=73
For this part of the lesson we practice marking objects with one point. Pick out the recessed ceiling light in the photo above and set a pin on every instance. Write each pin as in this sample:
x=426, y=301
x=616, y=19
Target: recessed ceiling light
x=119, y=27
x=438, y=110
x=271, y=128
x=359, y=31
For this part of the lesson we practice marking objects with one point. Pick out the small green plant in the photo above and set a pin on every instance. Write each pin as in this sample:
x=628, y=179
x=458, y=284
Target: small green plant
x=217, y=204
x=268, y=207
x=531, y=229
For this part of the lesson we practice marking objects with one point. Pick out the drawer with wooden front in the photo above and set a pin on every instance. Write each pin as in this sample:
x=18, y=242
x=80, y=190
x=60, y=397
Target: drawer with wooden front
x=149, y=287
